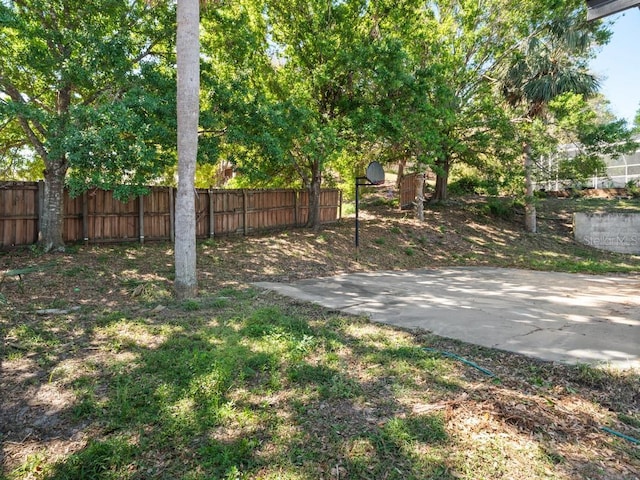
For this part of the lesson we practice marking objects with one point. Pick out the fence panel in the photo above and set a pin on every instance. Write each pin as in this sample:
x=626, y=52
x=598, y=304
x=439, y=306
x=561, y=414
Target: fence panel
x=97, y=216
x=270, y=208
x=73, y=229
x=228, y=208
x=157, y=213
x=408, y=191
x=18, y=213
x=330, y=202
x=110, y=220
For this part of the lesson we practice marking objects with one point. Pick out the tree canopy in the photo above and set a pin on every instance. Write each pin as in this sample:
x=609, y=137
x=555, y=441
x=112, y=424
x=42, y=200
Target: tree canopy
x=73, y=91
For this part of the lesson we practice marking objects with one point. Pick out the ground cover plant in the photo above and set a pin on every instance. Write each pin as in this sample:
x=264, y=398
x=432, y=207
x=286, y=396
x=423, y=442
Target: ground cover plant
x=105, y=375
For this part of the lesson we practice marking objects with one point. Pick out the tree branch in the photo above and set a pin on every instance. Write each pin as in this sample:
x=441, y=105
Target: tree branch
x=15, y=95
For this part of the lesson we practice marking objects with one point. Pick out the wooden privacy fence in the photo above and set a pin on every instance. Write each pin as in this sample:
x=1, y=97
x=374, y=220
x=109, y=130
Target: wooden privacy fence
x=97, y=216
x=407, y=190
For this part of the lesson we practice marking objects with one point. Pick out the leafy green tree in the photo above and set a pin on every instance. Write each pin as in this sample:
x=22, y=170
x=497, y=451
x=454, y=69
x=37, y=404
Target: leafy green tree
x=592, y=131
x=296, y=92
x=549, y=64
x=67, y=79
x=472, y=43
x=278, y=84
x=233, y=42
x=397, y=115
x=317, y=47
x=125, y=145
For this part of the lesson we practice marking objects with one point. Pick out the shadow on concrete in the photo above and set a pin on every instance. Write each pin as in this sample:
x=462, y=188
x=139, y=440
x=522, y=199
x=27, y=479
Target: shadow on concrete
x=553, y=316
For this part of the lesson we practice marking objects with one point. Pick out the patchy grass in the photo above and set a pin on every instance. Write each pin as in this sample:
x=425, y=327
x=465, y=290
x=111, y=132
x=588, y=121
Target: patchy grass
x=244, y=384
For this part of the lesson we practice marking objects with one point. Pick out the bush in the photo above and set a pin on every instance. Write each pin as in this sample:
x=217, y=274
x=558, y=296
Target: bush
x=467, y=185
x=500, y=207
x=633, y=188
x=473, y=185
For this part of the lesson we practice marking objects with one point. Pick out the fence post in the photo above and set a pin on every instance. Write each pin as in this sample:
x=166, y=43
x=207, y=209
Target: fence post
x=340, y=206
x=212, y=225
x=40, y=211
x=141, y=218
x=245, y=213
x=172, y=216
x=85, y=218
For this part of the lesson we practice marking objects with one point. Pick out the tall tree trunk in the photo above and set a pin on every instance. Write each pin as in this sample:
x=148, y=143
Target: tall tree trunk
x=313, y=220
x=50, y=237
x=188, y=109
x=420, y=196
x=442, y=180
x=529, y=199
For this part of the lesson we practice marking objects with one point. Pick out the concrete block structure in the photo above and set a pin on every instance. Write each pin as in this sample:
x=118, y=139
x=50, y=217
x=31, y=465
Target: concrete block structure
x=615, y=232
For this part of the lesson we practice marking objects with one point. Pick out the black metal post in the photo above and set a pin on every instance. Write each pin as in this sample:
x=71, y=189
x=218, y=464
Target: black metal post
x=357, y=211
x=375, y=176
x=358, y=185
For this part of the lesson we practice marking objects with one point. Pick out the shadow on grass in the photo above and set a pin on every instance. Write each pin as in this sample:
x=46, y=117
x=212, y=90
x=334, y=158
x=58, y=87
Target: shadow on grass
x=233, y=396
x=245, y=387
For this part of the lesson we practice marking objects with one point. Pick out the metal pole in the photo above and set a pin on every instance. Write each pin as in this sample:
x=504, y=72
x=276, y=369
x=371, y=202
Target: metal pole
x=357, y=212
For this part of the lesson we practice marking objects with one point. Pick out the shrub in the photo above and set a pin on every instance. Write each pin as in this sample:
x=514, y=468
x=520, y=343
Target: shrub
x=473, y=185
x=466, y=185
x=633, y=188
x=500, y=207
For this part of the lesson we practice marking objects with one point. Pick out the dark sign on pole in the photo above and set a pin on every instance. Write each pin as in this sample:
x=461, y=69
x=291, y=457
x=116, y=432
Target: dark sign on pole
x=603, y=8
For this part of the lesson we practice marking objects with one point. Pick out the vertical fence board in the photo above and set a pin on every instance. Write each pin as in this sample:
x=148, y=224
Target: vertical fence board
x=141, y=218
x=73, y=225
x=212, y=219
x=158, y=214
x=85, y=218
x=172, y=214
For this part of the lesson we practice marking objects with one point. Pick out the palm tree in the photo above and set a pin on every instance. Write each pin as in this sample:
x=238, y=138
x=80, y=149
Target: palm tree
x=549, y=64
x=188, y=94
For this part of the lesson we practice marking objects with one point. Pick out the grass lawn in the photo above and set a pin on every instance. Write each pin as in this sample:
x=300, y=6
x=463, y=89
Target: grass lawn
x=104, y=375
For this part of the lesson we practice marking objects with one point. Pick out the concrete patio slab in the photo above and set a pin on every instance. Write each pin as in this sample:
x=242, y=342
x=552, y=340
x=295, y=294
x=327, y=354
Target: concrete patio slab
x=561, y=317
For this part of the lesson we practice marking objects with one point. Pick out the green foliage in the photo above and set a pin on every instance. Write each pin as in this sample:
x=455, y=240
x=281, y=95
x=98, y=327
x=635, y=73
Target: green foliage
x=471, y=184
x=550, y=64
x=108, y=459
x=17, y=161
x=501, y=207
x=633, y=188
x=79, y=87
x=466, y=185
x=293, y=93
x=636, y=123
x=33, y=338
x=592, y=133
x=123, y=146
x=190, y=305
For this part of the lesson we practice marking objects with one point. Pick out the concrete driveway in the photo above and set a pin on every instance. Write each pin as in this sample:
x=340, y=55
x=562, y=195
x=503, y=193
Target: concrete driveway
x=552, y=316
